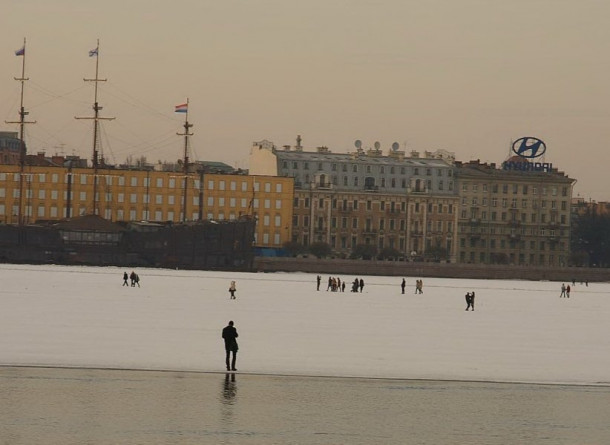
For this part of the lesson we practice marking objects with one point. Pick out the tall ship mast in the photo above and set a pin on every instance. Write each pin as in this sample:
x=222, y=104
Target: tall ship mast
x=22, y=122
x=184, y=108
x=95, y=159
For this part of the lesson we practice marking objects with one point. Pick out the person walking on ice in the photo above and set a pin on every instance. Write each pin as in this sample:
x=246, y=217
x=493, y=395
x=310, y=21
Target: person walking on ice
x=563, y=290
x=229, y=334
x=403, y=285
x=125, y=278
x=232, y=289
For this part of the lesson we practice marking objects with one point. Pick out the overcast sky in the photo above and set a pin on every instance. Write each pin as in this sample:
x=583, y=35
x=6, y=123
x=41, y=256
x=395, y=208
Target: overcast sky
x=468, y=76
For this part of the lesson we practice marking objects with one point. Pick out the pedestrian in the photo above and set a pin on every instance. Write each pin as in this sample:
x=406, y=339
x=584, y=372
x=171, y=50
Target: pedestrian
x=403, y=285
x=232, y=290
x=472, y=300
x=125, y=278
x=468, y=301
x=229, y=334
x=343, y=286
x=355, y=285
x=361, y=284
x=137, y=280
x=568, y=291
x=132, y=277
x=319, y=280
x=563, y=290
x=330, y=283
x=421, y=286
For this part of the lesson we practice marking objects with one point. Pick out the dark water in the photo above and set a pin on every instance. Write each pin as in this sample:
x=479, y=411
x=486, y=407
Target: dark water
x=80, y=406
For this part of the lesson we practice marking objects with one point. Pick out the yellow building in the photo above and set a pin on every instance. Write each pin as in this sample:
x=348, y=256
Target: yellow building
x=268, y=198
x=54, y=193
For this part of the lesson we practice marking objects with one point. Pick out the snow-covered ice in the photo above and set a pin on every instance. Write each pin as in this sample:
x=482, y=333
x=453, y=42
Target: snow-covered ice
x=521, y=331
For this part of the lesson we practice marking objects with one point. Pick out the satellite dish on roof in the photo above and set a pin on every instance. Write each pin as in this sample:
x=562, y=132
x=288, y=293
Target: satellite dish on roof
x=377, y=145
x=358, y=143
x=395, y=146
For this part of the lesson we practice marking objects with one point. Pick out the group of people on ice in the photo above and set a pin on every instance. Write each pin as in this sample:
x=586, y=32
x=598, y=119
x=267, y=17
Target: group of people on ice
x=135, y=279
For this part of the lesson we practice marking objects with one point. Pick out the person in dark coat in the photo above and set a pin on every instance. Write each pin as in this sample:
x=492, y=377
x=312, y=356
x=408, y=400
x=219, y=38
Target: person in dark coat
x=125, y=278
x=468, y=301
x=403, y=285
x=361, y=284
x=229, y=334
x=319, y=280
x=132, y=277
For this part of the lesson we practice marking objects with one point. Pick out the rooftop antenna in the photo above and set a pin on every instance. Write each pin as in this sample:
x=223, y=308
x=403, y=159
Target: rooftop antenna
x=96, y=118
x=21, y=122
x=184, y=108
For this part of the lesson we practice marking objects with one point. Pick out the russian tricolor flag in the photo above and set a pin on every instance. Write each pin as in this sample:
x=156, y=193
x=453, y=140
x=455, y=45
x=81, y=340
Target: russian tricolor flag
x=184, y=108
x=20, y=52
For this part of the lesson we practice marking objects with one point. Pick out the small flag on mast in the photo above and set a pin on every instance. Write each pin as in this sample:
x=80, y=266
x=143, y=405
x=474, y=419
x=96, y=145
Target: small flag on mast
x=93, y=52
x=182, y=108
x=20, y=52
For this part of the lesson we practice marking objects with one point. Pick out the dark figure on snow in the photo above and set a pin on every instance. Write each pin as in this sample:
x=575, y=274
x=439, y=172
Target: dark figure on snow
x=232, y=289
x=330, y=283
x=563, y=290
x=403, y=285
x=137, y=280
x=469, y=300
x=125, y=278
x=355, y=285
x=229, y=334
x=343, y=286
x=319, y=280
x=361, y=284
x=132, y=277
x=568, y=291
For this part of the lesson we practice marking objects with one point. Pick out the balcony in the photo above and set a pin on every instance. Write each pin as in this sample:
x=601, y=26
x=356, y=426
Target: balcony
x=323, y=185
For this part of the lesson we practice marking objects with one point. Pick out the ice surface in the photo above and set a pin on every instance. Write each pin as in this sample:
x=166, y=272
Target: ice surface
x=521, y=331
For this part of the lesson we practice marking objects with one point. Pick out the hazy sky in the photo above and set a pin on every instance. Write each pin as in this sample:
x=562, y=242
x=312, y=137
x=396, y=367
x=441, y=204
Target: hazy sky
x=468, y=76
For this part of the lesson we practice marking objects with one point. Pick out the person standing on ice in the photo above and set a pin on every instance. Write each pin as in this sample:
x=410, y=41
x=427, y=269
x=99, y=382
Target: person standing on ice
x=403, y=285
x=229, y=334
x=318, y=280
x=232, y=289
x=361, y=285
x=563, y=290
x=568, y=291
x=125, y=278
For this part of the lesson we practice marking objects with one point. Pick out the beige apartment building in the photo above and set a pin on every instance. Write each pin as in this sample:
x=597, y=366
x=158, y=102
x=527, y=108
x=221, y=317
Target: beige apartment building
x=390, y=201
x=513, y=216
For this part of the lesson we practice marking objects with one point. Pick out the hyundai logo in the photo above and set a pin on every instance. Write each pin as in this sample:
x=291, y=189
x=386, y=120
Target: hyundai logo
x=529, y=147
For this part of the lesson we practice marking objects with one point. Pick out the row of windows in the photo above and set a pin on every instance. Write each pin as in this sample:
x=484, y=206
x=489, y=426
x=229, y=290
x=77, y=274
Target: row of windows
x=345, y=242
x=221, y=185
x=354, y=223
x=525, y=188
x=369, y=183
x=136, y=181
x=504, y=216
x=243, y=202
x=514, y=203
x=382, y=205
x=380, y=169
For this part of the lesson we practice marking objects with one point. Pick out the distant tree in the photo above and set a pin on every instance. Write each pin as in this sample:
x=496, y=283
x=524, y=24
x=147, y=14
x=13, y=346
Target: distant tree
x=320, y=249
x=293, y=248
x=364, y=251
x=389, y=253
x=591, y=239
x=436, y=253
